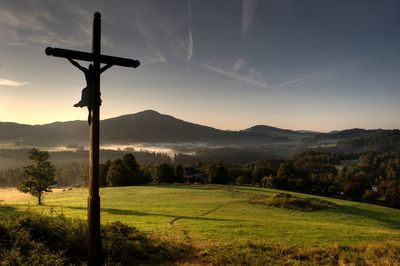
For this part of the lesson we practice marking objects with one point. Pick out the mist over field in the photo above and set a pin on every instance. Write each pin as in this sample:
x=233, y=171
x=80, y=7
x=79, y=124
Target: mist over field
x=148, y=133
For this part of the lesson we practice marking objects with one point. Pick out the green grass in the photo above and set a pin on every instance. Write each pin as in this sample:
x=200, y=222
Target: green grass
x=326, y=145
x=222, y=214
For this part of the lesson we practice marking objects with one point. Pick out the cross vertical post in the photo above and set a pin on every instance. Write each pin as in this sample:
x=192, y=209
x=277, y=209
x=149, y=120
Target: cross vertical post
x=94, y=237
x=96, y=58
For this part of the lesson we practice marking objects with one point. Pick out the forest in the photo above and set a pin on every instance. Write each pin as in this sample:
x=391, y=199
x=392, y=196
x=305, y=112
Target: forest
x=370, y=177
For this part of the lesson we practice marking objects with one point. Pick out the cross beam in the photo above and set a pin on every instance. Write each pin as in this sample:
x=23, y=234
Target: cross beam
x=104, y=59
x=94, y=237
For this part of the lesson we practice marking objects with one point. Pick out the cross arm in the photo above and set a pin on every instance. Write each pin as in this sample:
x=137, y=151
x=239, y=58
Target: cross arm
x=104, y=59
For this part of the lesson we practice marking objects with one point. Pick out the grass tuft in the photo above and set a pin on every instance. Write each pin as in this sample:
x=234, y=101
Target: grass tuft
x=288, y=201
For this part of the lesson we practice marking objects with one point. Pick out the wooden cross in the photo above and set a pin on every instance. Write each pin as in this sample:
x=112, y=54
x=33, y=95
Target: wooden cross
x=94, y=237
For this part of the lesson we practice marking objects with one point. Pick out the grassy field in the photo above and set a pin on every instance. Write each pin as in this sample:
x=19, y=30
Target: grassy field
x=221, y=214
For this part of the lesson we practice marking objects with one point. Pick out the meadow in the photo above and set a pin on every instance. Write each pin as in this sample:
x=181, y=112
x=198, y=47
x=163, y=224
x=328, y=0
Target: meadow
x=224, y=227
x=221, y=215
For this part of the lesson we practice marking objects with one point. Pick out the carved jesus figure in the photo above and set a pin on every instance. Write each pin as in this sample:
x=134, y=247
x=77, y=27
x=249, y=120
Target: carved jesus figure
x=85, y=97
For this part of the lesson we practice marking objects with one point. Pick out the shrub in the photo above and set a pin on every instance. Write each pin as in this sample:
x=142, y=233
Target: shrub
x=266, y=181
x=370, y=196
x=33, y=239
x=240, y=180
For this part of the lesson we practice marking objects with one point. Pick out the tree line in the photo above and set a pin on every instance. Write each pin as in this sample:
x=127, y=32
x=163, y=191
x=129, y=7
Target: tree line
x=370, y=177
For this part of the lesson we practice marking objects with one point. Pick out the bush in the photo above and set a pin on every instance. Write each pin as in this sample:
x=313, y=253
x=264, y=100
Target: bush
x=33, y=239
x=240, y=180
x=370, y=196
x=266, y=181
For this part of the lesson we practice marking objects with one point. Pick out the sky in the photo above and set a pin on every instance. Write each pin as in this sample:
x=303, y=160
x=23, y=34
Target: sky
x=231, y=64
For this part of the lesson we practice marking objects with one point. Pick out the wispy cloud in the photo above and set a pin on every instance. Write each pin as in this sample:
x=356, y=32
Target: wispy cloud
x=241, y=72
x=239, y=64
x=25, y=26
x=190, y=46
x=13, y=83
x=158, y=57
x=248, y=8
x=189, y=52
x=318, y=73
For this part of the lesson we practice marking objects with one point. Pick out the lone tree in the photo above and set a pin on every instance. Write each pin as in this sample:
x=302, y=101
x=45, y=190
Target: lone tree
x=40, y=175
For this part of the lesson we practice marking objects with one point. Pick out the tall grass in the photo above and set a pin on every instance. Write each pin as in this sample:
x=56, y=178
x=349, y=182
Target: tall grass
x=385, y=253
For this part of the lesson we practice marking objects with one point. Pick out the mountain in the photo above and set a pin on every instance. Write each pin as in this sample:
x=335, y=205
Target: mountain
x=284, y=134
x=151, y=126
x=146, y=126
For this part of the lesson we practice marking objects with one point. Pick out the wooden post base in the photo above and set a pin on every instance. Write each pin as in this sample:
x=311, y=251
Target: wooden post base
x=94, y=237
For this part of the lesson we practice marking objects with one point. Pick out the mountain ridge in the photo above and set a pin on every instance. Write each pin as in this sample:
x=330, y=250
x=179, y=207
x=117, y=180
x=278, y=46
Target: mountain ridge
x=152, y=126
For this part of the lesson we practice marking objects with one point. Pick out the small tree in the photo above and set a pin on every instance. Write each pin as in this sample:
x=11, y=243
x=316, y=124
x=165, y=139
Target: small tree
x=165, y=173
x=179, y=173
x=118, y=174
x=285, y=173
x=217, y=174
x=41, y=175
x=130, y=162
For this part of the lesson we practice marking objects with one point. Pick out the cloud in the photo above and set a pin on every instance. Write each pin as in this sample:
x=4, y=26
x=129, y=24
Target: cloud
x=190, y=46
x=127, y=29
x=315, y=74
x=13, y=83
x=158, y=57
x=248, y=8
x=189, y=53
x=242, y=73
x=239, y=64
x=34, y=23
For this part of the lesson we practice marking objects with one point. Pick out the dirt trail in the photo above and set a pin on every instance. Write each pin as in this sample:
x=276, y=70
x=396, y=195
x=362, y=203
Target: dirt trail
x=200, y=215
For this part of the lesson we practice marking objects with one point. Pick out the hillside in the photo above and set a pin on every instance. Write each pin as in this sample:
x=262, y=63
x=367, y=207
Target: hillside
x=346, y=134
x=216, y=213
x=151, y=126
x=381, y=140
x=223, y=227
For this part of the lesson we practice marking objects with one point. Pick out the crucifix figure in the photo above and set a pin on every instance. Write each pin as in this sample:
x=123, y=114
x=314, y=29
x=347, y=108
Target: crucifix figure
x=91, y=99
x=85, y=97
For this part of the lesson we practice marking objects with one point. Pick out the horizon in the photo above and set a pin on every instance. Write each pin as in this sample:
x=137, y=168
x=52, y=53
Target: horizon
x=226, y=129
x=229, y=65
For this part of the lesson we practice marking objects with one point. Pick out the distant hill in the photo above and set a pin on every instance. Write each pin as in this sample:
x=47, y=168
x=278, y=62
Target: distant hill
x=153, y=127
x=278, y=132
x=346, y=134
x=379, y=141
x=146, y=126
